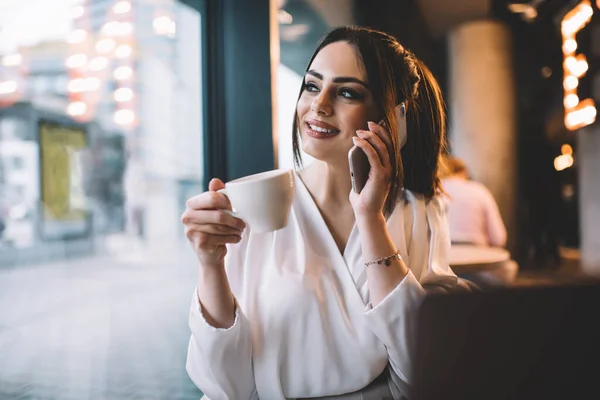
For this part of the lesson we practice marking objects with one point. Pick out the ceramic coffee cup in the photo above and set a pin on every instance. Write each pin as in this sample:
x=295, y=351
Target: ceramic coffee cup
x=262, y=200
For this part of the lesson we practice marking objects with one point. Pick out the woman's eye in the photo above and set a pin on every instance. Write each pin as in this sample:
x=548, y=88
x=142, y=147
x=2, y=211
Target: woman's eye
x=310, y=87
x=350, y=94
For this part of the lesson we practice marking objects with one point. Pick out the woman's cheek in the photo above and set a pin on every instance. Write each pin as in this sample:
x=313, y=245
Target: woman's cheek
x=303, y=103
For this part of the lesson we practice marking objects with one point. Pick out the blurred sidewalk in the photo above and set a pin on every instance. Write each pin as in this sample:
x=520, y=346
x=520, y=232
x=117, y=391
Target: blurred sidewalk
x=110, y=326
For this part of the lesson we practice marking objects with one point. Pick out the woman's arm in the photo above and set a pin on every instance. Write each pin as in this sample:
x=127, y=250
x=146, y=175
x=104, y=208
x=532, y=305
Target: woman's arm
x=394, y=296
x=215, y=296
x=219, y=358
x=392, y=317
x=219, y=361
x=376, y=243
x=396, y=292
x=369, y=213
x=210, y=228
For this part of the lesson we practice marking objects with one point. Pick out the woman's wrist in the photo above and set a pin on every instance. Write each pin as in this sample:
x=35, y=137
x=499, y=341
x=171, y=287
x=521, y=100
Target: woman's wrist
x=215, y=297
x=370, y=221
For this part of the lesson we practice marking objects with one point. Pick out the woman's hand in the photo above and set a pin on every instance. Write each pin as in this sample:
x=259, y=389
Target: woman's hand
x=376, y=143
x=208, y=227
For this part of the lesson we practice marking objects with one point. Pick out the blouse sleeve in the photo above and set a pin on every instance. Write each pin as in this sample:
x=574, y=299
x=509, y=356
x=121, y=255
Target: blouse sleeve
x=429, y=270
x=219, y=361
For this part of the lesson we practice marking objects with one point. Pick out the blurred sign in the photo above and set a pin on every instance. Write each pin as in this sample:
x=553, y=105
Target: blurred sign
x=62, y=196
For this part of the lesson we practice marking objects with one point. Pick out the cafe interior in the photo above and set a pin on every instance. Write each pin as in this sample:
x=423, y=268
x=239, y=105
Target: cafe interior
x=519, y=79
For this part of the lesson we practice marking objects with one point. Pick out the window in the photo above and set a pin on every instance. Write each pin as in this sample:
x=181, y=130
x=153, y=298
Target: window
x=100, y=144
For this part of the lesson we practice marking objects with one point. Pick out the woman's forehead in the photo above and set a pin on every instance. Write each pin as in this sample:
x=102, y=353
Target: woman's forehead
x=339, y=59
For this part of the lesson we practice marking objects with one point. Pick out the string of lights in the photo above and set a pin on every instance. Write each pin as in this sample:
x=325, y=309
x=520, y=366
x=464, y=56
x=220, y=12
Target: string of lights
x=578, y=113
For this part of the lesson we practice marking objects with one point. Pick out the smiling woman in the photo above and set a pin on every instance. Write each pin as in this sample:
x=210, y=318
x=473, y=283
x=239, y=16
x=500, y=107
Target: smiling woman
x=320, y=307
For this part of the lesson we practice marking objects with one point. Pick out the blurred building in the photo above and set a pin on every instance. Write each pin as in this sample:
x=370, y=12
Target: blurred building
x=132, y=70
x=150, y=89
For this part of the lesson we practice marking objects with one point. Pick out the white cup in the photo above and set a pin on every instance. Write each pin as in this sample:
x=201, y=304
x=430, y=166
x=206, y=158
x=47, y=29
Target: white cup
x=262, y=200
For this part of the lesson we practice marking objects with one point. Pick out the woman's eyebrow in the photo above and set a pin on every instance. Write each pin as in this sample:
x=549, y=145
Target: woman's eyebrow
x=339, y=79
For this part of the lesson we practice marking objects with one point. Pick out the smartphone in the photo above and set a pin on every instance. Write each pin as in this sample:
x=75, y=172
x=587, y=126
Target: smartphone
x=359, y=168
x=358, y=161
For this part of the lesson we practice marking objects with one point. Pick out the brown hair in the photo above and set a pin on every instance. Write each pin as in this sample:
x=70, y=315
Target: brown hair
x=395, y=75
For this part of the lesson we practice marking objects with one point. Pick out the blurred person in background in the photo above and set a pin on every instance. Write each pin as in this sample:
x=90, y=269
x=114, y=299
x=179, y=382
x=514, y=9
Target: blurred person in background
x=308, y=311
x=474, y=217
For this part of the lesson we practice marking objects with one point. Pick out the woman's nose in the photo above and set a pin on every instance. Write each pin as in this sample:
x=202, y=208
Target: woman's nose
x=322, y=105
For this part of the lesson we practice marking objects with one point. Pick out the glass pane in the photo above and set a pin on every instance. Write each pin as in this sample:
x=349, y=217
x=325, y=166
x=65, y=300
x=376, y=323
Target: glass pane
x=100, y=146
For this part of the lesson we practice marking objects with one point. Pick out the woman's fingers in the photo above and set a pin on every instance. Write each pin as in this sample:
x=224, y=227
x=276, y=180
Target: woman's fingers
x=214, y=229
x=378, y=145
x=209, y=225
x=209, y=200
x=215, y=184
x=208, y=241
x=370, y=152
x=383, y=134
x=212, y=217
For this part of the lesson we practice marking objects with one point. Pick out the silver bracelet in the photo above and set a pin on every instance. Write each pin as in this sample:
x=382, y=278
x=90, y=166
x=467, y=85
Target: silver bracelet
x=386, y=260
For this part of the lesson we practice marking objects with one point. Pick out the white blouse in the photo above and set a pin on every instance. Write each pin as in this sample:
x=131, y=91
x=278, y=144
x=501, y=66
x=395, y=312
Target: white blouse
x=304, y=326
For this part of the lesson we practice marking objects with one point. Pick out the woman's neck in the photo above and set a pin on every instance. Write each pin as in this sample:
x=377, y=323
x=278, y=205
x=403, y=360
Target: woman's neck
x=328, y=184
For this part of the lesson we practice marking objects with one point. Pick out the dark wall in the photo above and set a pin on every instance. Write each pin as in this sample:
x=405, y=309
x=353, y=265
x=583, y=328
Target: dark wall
x=246, y=82
x=403, y=20
x=400, y=18
x=537, y=62
x=237, y=87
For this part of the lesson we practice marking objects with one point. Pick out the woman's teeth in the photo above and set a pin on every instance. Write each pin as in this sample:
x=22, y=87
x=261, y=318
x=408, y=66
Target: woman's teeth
x=322, y=130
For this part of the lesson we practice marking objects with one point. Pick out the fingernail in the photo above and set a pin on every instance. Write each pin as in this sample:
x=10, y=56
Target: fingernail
x=360, y=133
x=355, y=139
x=371, y=124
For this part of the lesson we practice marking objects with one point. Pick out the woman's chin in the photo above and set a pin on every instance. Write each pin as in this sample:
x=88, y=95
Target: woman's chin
x=317, y=152
x=330, y=155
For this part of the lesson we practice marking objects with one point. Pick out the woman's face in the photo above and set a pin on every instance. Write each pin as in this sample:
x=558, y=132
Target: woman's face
x=334, y=104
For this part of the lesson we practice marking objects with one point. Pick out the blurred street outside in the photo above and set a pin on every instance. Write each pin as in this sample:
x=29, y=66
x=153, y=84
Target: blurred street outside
x=109, y=326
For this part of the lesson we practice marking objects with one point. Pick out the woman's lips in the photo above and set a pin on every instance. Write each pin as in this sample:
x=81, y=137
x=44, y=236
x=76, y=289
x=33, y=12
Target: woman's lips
x=320, y=130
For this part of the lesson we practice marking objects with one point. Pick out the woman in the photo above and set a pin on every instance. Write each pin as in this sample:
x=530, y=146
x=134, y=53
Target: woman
x=306, y=311
x=474, y=219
